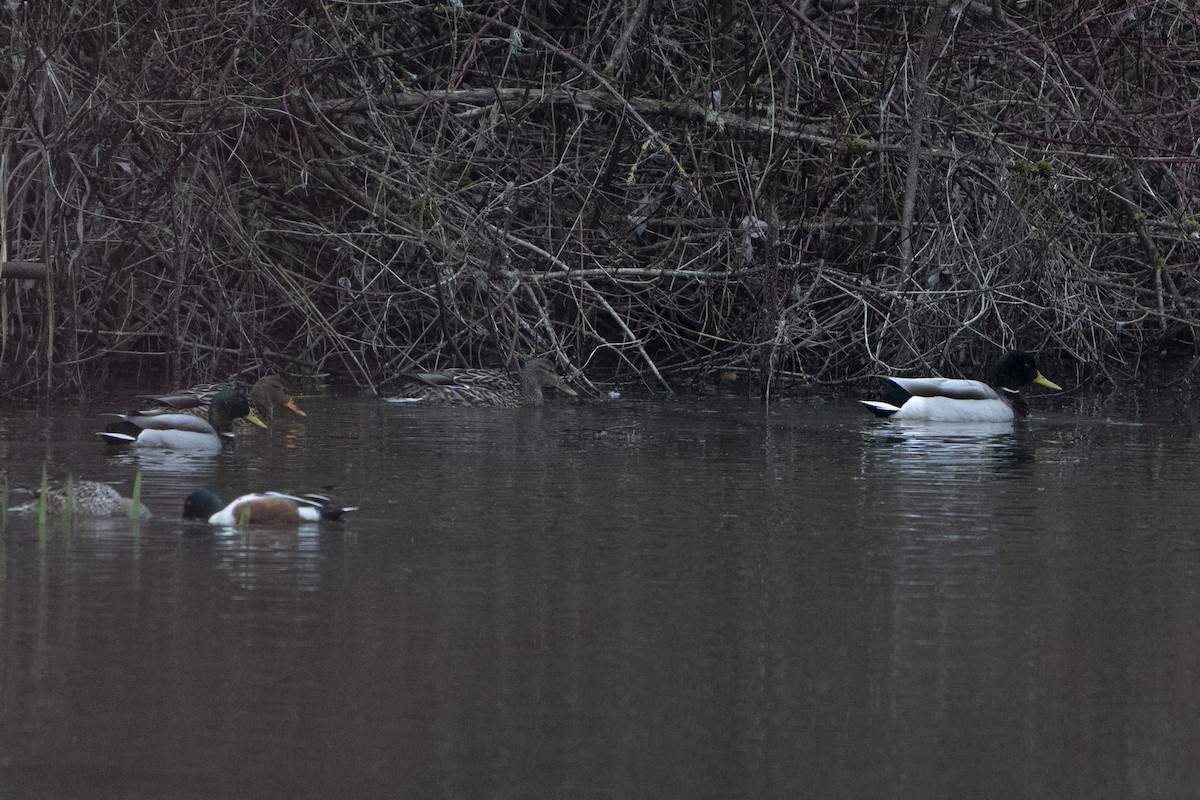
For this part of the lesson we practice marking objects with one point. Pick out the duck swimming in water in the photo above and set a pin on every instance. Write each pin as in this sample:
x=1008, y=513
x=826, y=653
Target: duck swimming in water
x=266, y=508
x=86, y=499
x=959, y=400
x=483, y=387
x=183, y=432
x=266, y=396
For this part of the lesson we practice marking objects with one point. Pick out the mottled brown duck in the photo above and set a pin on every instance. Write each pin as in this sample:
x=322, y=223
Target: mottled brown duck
x=85, y=499
x=483, y=387
x=266, y=396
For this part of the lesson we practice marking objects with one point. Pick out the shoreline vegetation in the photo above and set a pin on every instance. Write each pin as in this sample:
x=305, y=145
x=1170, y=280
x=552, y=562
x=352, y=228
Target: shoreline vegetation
x=799, y=192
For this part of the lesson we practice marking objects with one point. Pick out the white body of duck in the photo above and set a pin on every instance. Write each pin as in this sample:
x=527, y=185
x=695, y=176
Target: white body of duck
x=263, y=508
x=961, y=400
x=183, y=432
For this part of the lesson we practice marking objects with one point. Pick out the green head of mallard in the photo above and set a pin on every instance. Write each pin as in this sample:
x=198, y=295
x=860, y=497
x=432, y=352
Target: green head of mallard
x=226, y=406
x=1015, y=369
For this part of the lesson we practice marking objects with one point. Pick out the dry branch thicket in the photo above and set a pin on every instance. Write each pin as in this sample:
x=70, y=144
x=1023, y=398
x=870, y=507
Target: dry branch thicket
x=797, y=190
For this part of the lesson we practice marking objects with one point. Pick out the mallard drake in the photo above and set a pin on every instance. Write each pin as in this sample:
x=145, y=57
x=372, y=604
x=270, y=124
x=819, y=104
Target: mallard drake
x=266, y=508
x=957, y=400
x=266, y=396
x=482, y=387
x=183, y=432
x=85, y=499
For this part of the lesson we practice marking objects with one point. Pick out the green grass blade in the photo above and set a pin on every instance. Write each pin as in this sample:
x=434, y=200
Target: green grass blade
x=135, y=508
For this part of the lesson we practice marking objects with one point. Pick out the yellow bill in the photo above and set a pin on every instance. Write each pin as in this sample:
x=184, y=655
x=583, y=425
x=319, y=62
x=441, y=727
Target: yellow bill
x=1042, y=380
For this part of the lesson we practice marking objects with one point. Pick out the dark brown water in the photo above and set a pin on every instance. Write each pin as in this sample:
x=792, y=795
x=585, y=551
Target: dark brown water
x=616, y=601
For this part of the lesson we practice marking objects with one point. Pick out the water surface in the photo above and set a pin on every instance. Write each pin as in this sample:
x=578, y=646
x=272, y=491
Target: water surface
x=631, y=599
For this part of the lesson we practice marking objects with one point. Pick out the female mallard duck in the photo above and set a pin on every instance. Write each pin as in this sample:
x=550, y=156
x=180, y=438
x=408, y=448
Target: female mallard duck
x=266, y=508
x=266, y=395
x=483, y=387
x=183, y=432
x=956, y=400
x=85, y=499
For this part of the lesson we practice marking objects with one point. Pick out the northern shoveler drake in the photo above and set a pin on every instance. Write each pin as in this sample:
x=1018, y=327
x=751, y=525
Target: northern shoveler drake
x=957, y=400
x=183, y=432
x=482, y=387
x=266, y=508
x=85, y=499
